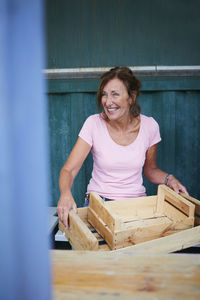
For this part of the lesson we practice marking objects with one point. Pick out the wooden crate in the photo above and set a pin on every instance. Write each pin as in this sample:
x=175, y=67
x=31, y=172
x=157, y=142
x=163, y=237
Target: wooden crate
x=82, y=235
x=127, y=222
x=131, y=221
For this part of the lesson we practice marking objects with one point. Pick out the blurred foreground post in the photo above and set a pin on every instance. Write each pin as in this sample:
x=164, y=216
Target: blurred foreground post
x=24, y=260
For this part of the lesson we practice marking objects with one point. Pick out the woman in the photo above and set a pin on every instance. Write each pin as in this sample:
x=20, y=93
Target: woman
x=123, y=144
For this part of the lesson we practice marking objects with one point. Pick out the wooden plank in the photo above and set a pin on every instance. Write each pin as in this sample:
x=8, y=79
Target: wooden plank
x=79, y=236
x=104, y=247
x=183, y=224
x=177, y=241
x=101, y=227
x=178, y=203
x=141, y=207
x=171, y=231
x=173, y=213
x=141, y=231
x=160, y=200
x=132, y=202
x=95, y=275
x=82, y=213
x=98, y=205
x=177, y=200
x=144, y=216
x=180, y=220
x=136, y=224
x=197, y=207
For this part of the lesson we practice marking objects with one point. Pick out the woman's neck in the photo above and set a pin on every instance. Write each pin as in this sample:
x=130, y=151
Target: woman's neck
x=124, y=124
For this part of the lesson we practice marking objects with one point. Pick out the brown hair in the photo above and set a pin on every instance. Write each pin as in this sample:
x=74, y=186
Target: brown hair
x=131, y=83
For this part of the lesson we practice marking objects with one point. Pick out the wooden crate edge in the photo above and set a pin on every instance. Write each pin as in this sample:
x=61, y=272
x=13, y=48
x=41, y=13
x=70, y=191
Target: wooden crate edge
x=79, y=235
x=164, y=245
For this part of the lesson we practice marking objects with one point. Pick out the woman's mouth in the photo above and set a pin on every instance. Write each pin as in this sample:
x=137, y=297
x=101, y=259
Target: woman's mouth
x=112, y=109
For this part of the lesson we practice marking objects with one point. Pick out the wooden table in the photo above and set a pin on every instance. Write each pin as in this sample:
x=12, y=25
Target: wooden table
x=108, y=275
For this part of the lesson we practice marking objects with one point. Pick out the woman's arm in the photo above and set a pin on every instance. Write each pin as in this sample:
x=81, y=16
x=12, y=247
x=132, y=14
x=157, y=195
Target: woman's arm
x=155, y=175
x=67, y=176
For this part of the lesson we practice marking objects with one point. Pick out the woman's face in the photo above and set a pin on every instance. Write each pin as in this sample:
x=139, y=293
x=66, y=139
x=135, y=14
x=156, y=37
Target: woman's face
x=115, y=100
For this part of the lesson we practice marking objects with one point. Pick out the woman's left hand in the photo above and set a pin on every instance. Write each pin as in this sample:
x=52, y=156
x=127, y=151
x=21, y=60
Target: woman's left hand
x=175, y=185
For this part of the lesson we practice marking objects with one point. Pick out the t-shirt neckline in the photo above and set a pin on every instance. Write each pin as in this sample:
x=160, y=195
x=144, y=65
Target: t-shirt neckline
x=123, y=146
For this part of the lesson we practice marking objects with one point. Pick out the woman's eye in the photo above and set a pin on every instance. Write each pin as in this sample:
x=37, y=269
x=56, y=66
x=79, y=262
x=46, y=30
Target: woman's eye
x=116, y=94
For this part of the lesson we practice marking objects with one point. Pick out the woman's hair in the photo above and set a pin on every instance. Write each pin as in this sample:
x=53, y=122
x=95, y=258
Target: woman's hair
x=131, y=83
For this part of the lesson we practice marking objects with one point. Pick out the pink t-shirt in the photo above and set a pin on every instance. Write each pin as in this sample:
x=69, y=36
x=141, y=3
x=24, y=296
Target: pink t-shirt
x=117, y=170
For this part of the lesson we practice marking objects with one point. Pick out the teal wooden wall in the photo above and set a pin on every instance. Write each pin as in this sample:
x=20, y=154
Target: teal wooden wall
x=95, y=33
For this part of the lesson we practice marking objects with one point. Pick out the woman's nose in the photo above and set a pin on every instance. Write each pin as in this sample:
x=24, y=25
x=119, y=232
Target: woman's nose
x=109, y=100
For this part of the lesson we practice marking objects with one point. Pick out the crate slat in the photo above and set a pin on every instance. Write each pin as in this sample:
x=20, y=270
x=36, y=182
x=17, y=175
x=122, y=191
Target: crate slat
x=197, y=208
x=79, y=235
x=97, y=204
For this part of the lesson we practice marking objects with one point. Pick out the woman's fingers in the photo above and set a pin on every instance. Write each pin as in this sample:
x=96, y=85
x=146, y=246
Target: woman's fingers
x=58, y=209
x=175, y=184
x=65, y=219
x=183, y=190
x=63, y=213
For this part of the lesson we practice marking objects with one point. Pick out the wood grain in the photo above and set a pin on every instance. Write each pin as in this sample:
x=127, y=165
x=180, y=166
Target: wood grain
x=79, y=235
x=97, y=275
x=167, y=244
x=197, y=207
x=101, y=227
x=97, y=204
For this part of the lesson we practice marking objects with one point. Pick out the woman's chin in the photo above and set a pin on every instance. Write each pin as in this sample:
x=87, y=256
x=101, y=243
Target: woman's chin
x=112, y=115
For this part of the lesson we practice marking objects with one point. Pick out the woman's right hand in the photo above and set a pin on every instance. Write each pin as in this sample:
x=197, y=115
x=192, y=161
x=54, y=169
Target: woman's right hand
x=65, y=204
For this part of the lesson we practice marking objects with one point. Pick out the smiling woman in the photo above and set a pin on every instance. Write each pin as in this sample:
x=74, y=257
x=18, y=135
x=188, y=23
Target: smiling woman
x=116, y=101
x=128, y=84
x=117, y=94
x=123, y=143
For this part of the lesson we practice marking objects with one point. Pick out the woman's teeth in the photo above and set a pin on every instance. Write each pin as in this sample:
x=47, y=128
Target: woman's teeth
x=112, y=109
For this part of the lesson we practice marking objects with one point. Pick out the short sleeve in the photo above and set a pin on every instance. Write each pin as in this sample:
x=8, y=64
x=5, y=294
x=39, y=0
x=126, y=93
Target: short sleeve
x=154, y=132
x=86, y=131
